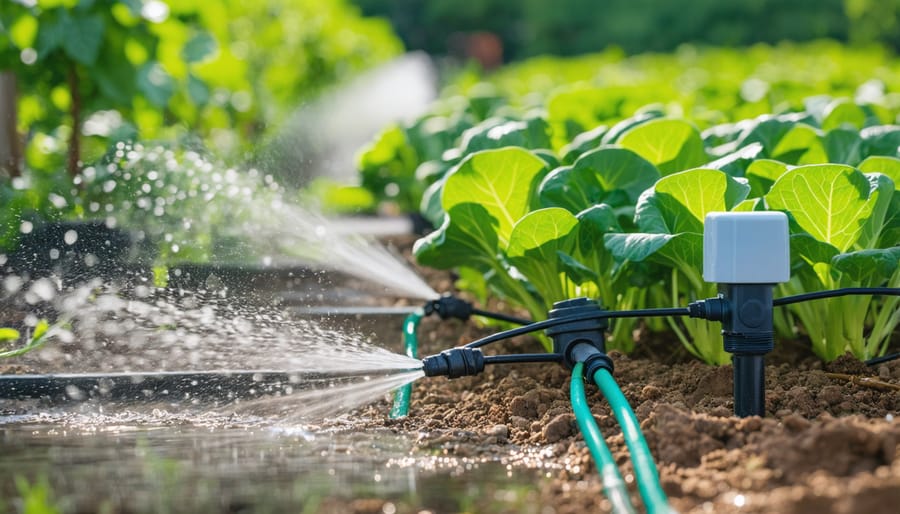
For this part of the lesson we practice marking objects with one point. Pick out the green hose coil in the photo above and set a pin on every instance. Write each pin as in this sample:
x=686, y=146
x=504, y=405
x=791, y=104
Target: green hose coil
x=411, y=346
x=644, y=468
x=613, y=485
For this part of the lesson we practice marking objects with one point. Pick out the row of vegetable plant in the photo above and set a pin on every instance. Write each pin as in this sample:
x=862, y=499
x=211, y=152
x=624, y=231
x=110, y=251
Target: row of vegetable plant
x=617, y=211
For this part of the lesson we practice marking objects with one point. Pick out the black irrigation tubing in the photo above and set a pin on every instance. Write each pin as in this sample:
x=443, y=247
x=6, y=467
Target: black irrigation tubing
x=540, y=325
x=174, y=386
x=501, y=317
x=523, y=358
x=847, y=291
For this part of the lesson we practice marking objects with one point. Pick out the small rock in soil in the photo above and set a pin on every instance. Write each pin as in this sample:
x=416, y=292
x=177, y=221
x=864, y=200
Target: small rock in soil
x=558, y=428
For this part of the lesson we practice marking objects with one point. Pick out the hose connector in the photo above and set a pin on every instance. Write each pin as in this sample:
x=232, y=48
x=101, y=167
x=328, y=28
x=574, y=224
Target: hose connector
x=580, y=341
x=454, y=363
x=449, y=306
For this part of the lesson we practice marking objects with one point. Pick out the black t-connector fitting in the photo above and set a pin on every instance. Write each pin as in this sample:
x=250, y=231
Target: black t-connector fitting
x=448, y=306
x=580, y=341
x=454, y=363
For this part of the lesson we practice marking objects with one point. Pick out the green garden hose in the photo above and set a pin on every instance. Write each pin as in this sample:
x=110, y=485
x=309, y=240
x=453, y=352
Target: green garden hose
x=644, y=468
x=411, y=345
x=613, y=485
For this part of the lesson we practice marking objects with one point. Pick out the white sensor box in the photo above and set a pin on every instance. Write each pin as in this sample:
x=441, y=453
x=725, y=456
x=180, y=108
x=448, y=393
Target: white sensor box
x=746, y=248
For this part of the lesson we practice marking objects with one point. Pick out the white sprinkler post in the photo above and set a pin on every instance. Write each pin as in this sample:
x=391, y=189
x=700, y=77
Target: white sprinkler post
x=746, y=254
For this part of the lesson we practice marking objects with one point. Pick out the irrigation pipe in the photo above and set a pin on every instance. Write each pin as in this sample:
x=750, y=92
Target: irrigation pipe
x=644, y=468
x=411, y=346
x=613, y=485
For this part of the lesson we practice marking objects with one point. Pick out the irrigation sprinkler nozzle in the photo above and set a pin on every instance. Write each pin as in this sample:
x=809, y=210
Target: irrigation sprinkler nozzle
x=454, y=363
x=448, y=306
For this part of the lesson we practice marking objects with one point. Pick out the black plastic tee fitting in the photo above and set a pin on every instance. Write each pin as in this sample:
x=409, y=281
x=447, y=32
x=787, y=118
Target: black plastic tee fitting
x=580, y=341
x=449, y=306
x=454, y=363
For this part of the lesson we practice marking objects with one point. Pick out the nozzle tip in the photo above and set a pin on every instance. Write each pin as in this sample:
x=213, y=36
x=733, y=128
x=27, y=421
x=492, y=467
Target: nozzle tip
x=454, y=363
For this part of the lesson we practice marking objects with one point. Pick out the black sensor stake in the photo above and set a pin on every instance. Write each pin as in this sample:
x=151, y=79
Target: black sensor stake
x=746, y=253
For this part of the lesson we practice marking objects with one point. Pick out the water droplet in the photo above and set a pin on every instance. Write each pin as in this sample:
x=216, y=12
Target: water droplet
x=44, y=289
x=70, y=237
x=26, y=227
x=54, y=254
x=740, y=500
x=28, y=56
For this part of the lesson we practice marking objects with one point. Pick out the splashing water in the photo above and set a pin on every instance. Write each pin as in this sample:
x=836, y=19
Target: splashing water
x=185, y=332
x=195, y=211
x=326, y=399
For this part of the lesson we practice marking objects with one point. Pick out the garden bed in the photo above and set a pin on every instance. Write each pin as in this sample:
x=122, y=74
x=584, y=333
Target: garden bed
x=828, y=442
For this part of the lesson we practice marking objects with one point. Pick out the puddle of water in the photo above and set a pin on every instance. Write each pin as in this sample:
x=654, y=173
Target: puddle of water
x=118, y=466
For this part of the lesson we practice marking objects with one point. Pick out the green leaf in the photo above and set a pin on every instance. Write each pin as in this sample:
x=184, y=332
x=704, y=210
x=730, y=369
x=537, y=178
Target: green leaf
x=40, y=330
x=431, y=203
x=594, y=223
x=768, y=132
x=800, y=145
x=117, y=80
x=671, y=145
x=844, y=146
x=889, y=166
x=810, y=250
x=680, y=202
x=583, y=143
x=200, y=47
x=534, y=245
x=576, y=271
x=881, y=192
x=596, y=174
x=8, y=334
x=197, y=90
x=829, y=201
x=82, y=36
x=762, y=173
x=532, y=133
x=882, y=140
x=155, y=83
x=502, y=181
x=871, y=268
x=620, y=128
x=467, y=237
x=51, y=33
x=682, y=251
x=844, y=113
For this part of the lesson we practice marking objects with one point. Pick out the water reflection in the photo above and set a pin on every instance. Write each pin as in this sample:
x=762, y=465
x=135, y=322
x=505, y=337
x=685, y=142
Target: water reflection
x=109, y=467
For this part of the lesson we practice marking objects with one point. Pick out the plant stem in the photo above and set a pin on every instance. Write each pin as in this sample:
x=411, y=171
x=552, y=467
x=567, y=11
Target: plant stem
x=74, y=153
x=10, y=153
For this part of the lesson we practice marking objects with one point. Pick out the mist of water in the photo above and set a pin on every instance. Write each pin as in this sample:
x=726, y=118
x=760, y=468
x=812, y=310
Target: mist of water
x=326, y=398
x=195, y=210
x=147, y=331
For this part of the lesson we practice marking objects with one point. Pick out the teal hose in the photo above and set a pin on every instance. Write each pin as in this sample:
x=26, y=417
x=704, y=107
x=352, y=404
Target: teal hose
x=644, y=468
x=411, y=345
x=613, y=485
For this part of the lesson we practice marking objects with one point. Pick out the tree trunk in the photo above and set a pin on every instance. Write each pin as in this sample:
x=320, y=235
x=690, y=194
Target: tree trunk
x=74, y=154
x=10, y=150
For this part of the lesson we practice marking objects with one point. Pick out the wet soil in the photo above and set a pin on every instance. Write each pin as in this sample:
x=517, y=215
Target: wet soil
x=828, y=442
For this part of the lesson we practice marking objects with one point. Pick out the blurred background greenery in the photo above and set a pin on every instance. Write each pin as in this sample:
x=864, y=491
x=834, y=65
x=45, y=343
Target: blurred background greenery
x=78, y=77
x=527, y=28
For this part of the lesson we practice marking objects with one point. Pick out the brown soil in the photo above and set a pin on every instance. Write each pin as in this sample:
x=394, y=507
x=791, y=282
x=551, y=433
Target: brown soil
x=828, y=443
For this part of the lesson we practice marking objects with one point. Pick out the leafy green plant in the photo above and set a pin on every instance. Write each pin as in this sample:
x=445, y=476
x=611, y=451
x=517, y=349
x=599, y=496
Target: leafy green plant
x=838, y=215
x=670, y=218
x=37, y=497
x=39, y=336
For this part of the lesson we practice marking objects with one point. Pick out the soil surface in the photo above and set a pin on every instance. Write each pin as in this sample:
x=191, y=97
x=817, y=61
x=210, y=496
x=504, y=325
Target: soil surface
x=828, y=443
